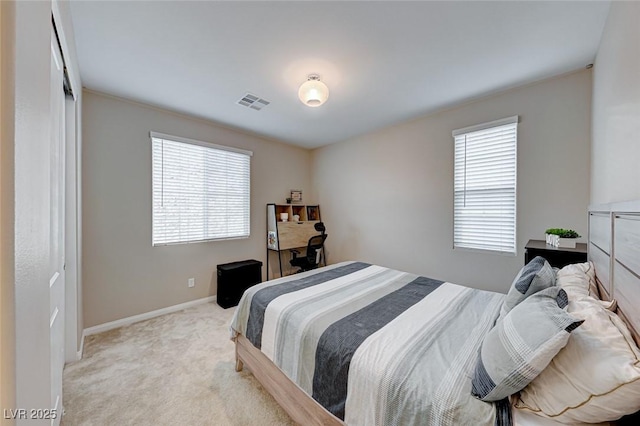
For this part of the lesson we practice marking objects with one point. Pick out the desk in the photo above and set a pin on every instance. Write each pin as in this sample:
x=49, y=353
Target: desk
x=290, y=234
x=557, y=257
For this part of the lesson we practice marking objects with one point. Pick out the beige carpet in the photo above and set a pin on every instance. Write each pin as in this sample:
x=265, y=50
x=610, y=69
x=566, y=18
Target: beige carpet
x=177, y=369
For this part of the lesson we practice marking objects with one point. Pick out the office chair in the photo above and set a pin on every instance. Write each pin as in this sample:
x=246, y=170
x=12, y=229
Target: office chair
x=315, y=248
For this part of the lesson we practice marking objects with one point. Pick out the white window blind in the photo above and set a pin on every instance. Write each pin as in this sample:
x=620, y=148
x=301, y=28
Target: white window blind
x=201, y=191
x=485, y=186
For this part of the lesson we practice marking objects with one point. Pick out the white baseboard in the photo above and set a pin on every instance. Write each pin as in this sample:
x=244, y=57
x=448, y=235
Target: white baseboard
x=141, y=317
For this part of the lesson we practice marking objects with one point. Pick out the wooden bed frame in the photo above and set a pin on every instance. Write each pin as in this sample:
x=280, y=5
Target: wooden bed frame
x=614, y=248
x=301, y=407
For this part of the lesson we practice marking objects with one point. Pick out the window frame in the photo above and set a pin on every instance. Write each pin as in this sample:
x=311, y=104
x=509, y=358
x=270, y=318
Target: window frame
x=157, y=135
x=476, y=128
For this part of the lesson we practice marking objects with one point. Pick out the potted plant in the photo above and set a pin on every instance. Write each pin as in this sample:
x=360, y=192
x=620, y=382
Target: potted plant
x=559, y=237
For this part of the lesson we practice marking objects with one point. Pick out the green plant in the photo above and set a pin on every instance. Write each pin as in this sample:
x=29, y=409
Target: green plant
x=563, y=233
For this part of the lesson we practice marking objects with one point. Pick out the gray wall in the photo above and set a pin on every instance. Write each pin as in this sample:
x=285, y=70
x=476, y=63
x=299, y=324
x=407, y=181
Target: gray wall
x=387, y=197
x=123, y=275
x=615, y=155
x=32, y=223
x=7, y=139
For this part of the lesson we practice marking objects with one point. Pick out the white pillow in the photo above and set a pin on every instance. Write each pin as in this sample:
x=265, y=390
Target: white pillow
x=579, y=280
x=595, y=378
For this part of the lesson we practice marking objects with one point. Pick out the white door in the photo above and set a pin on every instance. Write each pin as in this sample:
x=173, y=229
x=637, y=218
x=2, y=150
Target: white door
x=57, y=277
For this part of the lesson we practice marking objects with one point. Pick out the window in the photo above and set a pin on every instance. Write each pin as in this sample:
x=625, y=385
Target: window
x=200, y=191
x=485, y=186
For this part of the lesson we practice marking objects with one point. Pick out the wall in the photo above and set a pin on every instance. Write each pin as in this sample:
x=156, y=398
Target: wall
x=123, y=275
x=615, y=150
x=7, y=289
x=387, y=197
x=32, y=227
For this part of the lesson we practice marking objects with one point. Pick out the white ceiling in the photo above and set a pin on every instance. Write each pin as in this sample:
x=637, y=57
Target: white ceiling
x=384, y=62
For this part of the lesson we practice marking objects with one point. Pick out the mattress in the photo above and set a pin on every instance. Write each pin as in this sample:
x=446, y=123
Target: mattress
x=376, y=346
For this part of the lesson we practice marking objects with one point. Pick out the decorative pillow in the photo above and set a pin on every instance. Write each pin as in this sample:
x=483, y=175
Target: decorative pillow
x=533, y=277
x=579, y=280
x=520, y=346
x=595, y=378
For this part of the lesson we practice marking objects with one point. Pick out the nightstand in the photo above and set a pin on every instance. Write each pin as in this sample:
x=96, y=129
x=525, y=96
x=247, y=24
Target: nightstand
x=556, y=256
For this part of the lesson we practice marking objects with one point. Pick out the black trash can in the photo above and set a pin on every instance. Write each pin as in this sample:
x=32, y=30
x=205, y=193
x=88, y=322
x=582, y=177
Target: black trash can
x=234, y=278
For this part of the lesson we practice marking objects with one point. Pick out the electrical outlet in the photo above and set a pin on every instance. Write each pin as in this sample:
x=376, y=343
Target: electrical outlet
x=192, y=282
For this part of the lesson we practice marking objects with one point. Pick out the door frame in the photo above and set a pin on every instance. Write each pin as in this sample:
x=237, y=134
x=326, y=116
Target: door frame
x=57, y=218
x=74, y=337
x=72, y=269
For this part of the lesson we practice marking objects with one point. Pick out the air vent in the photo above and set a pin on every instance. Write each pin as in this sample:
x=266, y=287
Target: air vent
x=253, y=102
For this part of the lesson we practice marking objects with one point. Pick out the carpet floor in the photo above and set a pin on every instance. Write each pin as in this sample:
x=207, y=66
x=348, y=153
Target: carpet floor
x=177, y=369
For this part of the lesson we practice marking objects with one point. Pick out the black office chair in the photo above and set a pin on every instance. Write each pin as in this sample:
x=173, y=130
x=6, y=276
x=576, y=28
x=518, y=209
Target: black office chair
x=315, y=248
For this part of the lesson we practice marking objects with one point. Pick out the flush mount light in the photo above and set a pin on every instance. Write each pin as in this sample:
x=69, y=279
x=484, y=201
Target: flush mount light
x=313, y=92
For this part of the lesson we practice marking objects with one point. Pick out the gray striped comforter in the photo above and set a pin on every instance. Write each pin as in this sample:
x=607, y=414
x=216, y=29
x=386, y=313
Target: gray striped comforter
x=376, y=346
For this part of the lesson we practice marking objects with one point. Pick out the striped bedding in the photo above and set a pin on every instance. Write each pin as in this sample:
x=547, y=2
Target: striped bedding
x=376, y=346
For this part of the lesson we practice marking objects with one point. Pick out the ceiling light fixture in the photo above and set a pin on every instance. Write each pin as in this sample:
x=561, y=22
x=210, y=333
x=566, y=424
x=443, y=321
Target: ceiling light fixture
x=313, y=92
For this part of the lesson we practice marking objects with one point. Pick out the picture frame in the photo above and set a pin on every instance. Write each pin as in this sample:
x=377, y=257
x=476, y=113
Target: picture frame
x=296, y=196
x=313, y=213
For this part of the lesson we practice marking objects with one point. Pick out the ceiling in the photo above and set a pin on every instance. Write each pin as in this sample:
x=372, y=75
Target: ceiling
x=384, y=62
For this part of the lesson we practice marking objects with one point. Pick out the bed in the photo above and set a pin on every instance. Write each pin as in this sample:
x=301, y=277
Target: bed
x=360, y=344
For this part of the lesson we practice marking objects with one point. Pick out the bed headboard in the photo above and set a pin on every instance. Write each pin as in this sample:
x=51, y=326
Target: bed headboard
x=614, y=248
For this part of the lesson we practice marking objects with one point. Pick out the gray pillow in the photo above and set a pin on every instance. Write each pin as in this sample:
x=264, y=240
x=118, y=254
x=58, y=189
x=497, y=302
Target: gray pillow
x=520, y=346
x=533, y=277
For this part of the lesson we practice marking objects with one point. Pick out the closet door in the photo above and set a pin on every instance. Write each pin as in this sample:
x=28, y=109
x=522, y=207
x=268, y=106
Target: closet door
x=56, y=211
